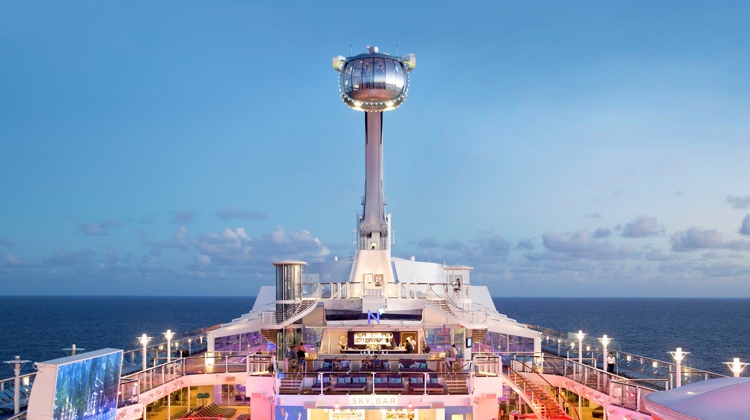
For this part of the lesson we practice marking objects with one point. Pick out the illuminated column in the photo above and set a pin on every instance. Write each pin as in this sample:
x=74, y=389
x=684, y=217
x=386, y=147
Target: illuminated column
x=144, y=339
x=678, y=356
x=558, y=346
x=73, y=350
x=17, y=364
x=580, y=336
x=168, y=335
x=605, y=342
x=736, y=366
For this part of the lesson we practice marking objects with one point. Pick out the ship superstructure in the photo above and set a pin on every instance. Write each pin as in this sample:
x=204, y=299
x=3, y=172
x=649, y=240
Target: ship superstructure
x=376, y=304
x=370, y=337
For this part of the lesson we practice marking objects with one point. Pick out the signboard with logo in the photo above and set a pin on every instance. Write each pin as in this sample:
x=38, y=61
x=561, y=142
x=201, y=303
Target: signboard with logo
x=401, y=414
x=346, y=414
x=290, y=413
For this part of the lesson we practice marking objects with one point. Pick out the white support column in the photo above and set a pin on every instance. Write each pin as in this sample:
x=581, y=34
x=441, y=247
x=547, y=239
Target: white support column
x=678, y=356
x=144, y=339
x=168, y=335
x=16, y=364
x=580, y=337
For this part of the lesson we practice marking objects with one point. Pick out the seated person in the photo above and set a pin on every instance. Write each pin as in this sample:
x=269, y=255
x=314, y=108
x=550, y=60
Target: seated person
x=344, y=365
x=376, y=363
x=336, y=364
x=367, y=363
x=451, y=356
x=301, y=354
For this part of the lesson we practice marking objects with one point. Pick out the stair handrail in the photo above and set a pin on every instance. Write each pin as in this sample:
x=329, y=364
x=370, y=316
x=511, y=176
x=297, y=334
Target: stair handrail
x=535, y=401
x=456, y=310
x=557, y=393
x=303, y=305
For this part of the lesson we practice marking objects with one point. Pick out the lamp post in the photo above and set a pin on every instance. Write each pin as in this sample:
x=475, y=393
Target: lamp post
x=190, y=346
x=736, y=366
x=580, y=336
x=559, y=340
x=144, y=339
x=605, y=342
x=17, y=364
x=678, y=356
x=168, y=335
x=73, y=350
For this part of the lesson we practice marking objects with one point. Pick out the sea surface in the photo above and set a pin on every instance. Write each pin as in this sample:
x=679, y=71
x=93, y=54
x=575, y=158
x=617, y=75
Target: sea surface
x=37, y=328
x=712, y=330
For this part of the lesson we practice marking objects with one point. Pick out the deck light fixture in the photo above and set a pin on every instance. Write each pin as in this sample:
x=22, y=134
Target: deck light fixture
x=168, y=335
x=678, y=356
x=580, y=336
x=736, y=366
x=16, y=364
x=144, y=339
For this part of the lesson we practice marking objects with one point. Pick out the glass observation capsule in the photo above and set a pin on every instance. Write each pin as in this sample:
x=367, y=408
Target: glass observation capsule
x=374, y=81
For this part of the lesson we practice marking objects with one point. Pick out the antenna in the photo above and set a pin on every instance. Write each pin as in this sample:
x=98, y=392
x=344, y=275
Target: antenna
x=396, y=50
x=350, y=50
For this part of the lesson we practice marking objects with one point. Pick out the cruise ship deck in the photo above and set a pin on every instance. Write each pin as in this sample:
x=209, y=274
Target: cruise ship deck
x=370, y=337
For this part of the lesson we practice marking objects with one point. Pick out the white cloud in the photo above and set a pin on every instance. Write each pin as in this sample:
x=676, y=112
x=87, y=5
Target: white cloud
x=582, y=244
x=235, y=213
x=739, y=202
x=99, y=229
x=745, y=228
x=696, y=239
x=525, y=244
x=184, y=217
x=602, y=232
x=641, y=227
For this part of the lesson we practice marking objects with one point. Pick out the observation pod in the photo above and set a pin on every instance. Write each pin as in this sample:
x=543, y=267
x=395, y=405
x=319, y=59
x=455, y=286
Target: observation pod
x=374, y=81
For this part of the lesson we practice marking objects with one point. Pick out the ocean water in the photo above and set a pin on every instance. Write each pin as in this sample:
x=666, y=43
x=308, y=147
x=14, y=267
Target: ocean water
x=713, y=330
x=37, y=328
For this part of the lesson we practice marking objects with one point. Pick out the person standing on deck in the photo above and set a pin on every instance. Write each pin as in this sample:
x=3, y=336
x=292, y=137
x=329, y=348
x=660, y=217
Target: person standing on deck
x=611, y=362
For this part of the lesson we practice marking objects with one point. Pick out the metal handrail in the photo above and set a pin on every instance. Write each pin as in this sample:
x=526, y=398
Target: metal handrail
x=534, y=399
x=659, y=369
x=557, y=393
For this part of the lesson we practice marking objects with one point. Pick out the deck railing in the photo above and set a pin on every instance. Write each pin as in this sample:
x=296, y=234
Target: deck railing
x=629, y=365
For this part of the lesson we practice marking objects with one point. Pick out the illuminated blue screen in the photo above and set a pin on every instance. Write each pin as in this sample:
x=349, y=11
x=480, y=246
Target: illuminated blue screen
x=87, y=389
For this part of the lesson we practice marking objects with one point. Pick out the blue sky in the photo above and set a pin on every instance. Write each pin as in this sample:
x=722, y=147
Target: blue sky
x=574, y=149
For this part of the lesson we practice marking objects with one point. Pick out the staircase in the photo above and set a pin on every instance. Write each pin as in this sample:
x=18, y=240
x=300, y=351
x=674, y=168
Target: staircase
x=468, y=318
x=290, y=384
x=538, y=399
x=269, y=335
x=478, y=335
x=291, y=312
x=456, y=384
x=443, y=305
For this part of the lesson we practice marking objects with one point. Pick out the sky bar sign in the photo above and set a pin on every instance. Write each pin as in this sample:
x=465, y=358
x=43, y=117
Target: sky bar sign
x=373, y=400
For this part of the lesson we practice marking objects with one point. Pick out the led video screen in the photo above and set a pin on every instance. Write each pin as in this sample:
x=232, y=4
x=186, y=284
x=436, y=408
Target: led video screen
x=86, y=389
